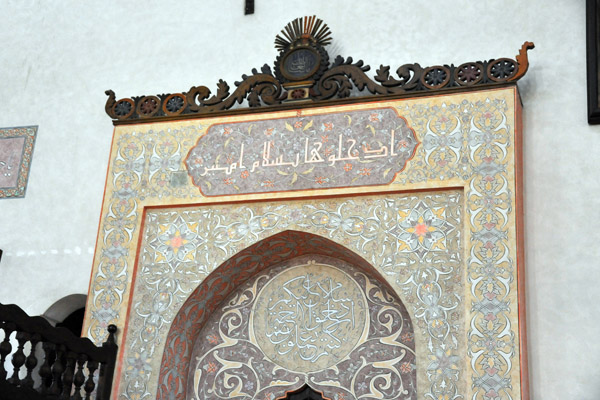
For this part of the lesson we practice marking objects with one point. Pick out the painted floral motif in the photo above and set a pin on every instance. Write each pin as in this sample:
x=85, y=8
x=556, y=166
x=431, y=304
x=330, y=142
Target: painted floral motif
x=483, y=162
x=177, y=241
x=368, y=225
x=422, y=230
x=475, y=141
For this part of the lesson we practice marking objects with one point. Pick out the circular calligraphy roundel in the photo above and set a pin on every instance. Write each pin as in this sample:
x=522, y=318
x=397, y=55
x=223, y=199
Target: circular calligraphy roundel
x=309, y=317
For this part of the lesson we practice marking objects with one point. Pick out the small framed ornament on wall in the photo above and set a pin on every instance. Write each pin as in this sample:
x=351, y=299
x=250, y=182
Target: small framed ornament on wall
x=16, y=150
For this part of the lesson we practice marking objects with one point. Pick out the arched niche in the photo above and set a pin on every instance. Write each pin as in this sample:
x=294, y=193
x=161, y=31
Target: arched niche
x=244, y=276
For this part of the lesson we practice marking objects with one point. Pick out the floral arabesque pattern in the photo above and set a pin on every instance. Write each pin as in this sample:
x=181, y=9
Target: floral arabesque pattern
x=474, y=139
x=422, y=230
x=145, y=167
x=367, y=225
x=484, y=165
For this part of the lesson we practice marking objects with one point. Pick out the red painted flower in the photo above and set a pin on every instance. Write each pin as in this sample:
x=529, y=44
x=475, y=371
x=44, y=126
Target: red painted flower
x=321, y=180
x=228, y=181
x=245, y=174
x=328, y=127
x=324, y=138
x=211, y=368
x=421, y=229
x=198, y=161
x=347, y=167
x=267, y=183
x=374, y=117
x=298, y=124
x=212, y=339
x=226, y=131
x=407, y=337
x=405, y=367
x=269, y=131
x=176, y=241
x=365, y=171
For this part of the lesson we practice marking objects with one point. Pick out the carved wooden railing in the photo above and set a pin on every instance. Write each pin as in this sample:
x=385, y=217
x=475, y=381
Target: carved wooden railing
x=39, y=361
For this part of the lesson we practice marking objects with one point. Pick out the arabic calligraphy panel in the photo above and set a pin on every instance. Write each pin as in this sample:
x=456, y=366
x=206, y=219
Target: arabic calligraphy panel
x=355, y=148
x=309, y=317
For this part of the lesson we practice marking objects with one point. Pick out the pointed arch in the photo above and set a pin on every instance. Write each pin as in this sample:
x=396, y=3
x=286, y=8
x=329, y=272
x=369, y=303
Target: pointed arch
x=223, y=281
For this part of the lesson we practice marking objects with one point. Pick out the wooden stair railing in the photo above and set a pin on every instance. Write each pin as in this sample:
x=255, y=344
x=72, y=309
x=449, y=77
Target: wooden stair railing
x=39, y=361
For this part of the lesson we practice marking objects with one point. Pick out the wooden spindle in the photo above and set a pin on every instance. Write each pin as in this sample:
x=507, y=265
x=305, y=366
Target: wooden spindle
x=67, y=376
x=90, y=385
x=5, y=346
x=57, y=370
x=31, y=360
x=46, y=367
x=18, y=359
x=79, y=376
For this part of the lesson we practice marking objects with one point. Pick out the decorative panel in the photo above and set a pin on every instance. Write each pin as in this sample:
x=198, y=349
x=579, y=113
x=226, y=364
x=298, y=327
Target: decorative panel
x=16, y=150
x=179, y=252
x=439, y=231
x=356, y=148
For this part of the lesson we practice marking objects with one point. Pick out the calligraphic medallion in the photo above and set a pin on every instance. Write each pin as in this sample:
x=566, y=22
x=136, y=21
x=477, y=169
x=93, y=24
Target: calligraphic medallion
x=354, y=148
x=309, y=317
x=300, y=64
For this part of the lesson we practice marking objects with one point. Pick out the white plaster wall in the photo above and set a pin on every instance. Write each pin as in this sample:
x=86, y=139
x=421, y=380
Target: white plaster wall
x=57, y=58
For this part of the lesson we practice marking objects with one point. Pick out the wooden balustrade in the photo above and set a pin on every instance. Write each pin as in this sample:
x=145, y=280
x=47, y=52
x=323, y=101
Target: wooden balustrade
x=39, y=361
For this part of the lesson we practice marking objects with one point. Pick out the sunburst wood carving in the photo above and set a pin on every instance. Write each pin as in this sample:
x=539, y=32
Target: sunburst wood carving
x=303, y=29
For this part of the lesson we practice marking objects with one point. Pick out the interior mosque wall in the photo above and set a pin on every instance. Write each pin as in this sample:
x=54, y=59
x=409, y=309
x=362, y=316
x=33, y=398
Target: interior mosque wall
x=59, y=58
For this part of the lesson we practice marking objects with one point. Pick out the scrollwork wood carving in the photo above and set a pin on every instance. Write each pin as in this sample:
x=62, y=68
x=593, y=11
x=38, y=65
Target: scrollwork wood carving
x=307, y=67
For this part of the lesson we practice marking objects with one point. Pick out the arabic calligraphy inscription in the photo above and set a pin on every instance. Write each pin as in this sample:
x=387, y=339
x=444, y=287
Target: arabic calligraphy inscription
x=356, y=148
x=309, y=317
x=301, y=63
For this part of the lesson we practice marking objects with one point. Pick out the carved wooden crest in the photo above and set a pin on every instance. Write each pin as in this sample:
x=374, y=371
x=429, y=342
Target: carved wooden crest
x=303, y=73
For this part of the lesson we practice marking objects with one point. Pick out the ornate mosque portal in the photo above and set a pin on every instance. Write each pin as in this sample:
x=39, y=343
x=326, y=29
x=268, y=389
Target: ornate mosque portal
x=317, y=245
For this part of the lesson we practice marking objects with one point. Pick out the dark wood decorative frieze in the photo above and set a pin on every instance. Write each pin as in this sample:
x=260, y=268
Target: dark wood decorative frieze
x=303, y=73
